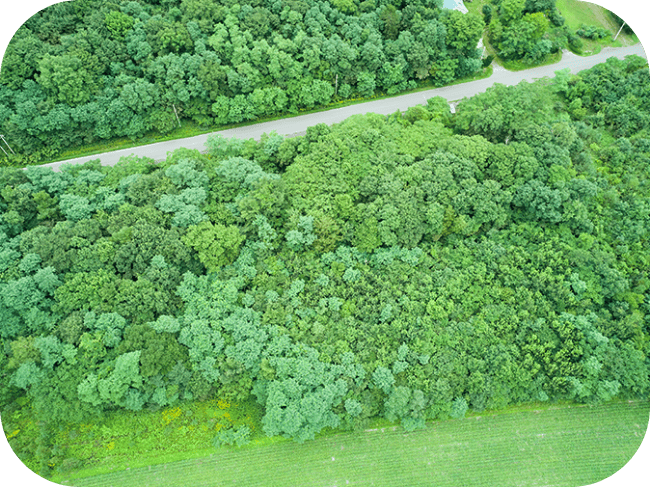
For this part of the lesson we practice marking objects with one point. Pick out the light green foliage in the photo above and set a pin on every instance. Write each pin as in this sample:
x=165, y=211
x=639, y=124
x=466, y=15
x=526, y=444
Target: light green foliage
x=523, y=31
x=412, y=267
x=249, y=338
x=415, y=113
x=366, y=83
x=28, y=374
x=541, y=201
x=383, y=379
x=115, y=388
x=501, y=111
x=204, y=342
x=265, y=232
x=239, y=435
x=26, y=303
x=351, y=275
x=458, y=408
x=273, y=143
x=345, y=6
x=29, y=263
x=44, y=178
x=463, y=31
x=66, y=78
x=236, y=174
x=353, y=407
x=299, y=400
x=111, y=325
x=185, y=206
x=118, y=23
x=185, y=174
x=87, y=291
x=406, y=405
x=303, y=236
x=108, y=200
x=216, y=245
x=75, y=207
x=167, y=324
x=511, y=10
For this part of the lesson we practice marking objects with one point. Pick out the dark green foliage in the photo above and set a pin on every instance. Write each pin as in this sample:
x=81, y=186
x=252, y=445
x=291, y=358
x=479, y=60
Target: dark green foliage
x=539, y=5
x=626, y=28
x=415, y=266
x=592, y=32
x=523, y=31
x=112, y=71
x=487, y=14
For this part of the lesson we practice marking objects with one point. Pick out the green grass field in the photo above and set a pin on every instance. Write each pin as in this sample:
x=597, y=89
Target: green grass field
x=559, y=446
x=576, y=13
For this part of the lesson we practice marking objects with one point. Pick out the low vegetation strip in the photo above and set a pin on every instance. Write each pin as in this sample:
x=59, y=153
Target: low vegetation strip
x=566, y=446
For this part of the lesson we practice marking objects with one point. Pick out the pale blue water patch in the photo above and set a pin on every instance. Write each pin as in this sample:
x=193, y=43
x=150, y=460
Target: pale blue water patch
x=451, y=4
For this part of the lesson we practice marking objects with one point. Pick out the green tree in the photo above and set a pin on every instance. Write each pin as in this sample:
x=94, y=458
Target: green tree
x=118, y=23
x=463, y=31
x=216, y=245
x=115, y=389
x=66, y=79
x=459, y=408
x=487, y=14
x=511, y=10
x=383, y=378
x=390, y=20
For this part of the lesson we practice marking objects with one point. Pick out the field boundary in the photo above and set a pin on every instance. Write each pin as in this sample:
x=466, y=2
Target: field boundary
x=617, y=426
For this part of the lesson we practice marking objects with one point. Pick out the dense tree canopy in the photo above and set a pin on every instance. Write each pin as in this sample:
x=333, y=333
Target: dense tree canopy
x=414, y=266
x=529, y=30
x=79, y=72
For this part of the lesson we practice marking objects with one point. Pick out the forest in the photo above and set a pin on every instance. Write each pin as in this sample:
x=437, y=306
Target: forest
x=412, y=267
x=86, y=71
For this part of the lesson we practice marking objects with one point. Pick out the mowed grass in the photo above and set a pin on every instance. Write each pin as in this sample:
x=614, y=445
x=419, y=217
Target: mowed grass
x=559, y=446
x=576, y=12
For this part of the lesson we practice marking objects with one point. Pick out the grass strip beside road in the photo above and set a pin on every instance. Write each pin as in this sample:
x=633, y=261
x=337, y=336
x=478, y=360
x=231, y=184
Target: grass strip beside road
x=191, y=129
x=562, y=446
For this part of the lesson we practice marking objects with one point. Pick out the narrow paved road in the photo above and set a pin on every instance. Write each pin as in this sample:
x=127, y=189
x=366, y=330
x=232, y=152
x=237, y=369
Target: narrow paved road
x=289, y=126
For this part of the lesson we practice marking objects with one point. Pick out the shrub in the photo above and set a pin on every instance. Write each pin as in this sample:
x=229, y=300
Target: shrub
x=239, y=435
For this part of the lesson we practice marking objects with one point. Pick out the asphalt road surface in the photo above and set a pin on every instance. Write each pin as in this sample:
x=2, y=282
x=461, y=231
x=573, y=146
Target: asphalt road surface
x=298, y=125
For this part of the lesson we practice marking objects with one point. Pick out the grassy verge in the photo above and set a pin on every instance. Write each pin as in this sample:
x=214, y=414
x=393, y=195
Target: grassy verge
x=577, y=13
x=476, y=6
x=190, y=129
x=521, y=66
x=558, y=445
x=591, y=47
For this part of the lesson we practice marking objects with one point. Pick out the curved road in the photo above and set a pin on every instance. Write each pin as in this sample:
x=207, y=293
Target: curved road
x=297, y=125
